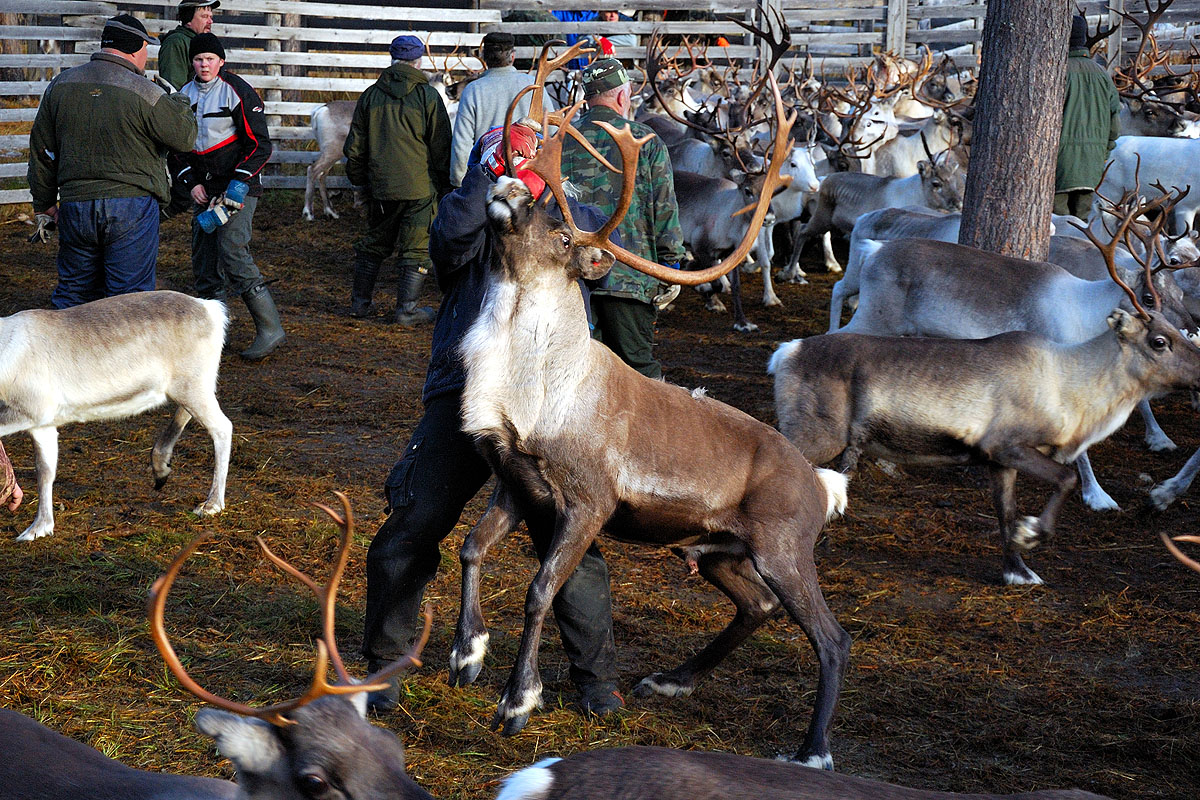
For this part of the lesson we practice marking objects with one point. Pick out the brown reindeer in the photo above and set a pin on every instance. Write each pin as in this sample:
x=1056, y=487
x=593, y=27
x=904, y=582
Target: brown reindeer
x=579, y=443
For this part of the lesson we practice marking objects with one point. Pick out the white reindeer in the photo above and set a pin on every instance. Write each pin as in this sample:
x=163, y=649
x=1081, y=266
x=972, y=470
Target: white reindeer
x=110, y=359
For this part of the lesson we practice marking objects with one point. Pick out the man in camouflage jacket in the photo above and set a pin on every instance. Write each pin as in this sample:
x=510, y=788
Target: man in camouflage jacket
x=398, y=148
x=624, y=309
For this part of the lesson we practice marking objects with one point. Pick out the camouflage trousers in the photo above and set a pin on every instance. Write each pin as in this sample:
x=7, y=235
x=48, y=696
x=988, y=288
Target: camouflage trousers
x=397, y=226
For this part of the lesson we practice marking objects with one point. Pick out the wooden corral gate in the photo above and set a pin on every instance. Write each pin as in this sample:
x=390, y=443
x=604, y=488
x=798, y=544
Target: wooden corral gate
x=301, y=54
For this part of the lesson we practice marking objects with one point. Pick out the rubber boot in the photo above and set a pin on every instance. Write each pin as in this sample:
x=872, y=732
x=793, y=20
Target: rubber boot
x=407, y=313
x=365, y=273
x=268, y=332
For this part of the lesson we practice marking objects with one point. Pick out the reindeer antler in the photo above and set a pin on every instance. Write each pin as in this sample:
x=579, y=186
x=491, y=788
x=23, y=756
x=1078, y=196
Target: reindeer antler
x=548, y=164
x=326, y=644
x=1175, y=551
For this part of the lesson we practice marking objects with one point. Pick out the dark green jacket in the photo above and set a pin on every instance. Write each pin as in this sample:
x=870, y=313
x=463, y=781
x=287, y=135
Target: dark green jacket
x=399, y=141
x=103, y=130
x=1091, y=124
x=651, y=226
x=174, y=63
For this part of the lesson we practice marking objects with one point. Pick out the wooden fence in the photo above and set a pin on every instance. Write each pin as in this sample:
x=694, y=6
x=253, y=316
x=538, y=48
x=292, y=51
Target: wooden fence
x=301, y=54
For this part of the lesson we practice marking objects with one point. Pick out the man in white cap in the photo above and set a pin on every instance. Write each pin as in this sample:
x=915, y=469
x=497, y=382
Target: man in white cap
x=97, y=169
x=174, y=63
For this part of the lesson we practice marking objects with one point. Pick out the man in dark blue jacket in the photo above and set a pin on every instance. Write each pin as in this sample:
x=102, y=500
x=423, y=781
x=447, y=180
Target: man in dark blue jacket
x=441, y=470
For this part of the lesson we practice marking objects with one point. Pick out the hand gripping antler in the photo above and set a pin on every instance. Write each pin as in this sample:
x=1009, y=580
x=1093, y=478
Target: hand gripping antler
x=548, y=164
x=1175, y=551
x=326, y=644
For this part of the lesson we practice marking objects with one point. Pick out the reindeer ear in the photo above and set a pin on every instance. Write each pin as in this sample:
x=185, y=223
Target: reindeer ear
x=249, y=743
x=1122, y=322
x=924, y=168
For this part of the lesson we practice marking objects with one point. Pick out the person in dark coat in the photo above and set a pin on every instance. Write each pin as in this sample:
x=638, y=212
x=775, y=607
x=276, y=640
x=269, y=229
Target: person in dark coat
x=398, y=153
x=441, y=470
x=96, y=166
x=1091, y=124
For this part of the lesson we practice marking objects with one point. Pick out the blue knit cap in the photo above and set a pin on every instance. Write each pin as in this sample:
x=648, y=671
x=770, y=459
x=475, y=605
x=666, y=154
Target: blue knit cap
x=406, y=48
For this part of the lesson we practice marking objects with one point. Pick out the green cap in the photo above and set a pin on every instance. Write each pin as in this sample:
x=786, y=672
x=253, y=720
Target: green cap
x=602, y=75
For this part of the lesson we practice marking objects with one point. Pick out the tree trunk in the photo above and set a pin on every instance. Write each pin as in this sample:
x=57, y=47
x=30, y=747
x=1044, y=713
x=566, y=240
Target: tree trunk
x=1018, y=118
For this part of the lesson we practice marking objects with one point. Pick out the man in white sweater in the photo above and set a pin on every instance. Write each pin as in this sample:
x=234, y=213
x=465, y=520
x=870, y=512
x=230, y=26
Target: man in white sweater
x=485, y=100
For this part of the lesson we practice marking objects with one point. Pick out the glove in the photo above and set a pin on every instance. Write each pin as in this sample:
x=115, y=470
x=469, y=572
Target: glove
x=234, y=195
x=606, y=47
x=524, y=145
x=45, y=226
x=163, y=84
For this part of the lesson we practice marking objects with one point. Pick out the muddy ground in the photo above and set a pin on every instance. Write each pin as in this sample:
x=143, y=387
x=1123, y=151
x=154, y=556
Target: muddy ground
x=955, y=681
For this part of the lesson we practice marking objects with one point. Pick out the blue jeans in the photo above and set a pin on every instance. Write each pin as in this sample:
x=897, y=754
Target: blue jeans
x=105, y=247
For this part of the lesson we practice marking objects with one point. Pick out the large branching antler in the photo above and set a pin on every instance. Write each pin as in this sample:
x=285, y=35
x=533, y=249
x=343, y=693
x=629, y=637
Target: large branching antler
x=1128, y=210
x=1175, y=551
x=326, y=645
x=548, y=164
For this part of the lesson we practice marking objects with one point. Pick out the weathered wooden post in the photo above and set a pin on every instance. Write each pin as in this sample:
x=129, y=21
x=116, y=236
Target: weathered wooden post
x=896, y=39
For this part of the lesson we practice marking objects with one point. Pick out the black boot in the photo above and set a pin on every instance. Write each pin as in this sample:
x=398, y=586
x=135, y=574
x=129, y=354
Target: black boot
x=268, y=331
x=365, y=273
x=411, y=279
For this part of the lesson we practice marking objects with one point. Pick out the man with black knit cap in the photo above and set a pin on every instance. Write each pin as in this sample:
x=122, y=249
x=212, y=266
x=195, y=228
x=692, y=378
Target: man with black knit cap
x=174, y=62
x=1090, y=127
x=222, y=176
x=96, y=166
x=398, y=151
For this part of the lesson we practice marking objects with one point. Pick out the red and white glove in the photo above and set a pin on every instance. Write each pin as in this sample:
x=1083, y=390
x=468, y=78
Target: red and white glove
x=524, y=146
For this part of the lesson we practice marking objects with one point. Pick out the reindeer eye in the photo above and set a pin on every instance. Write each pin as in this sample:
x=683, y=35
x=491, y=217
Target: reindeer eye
x=1159, y=343
x=1148, y=298
x=312, y=784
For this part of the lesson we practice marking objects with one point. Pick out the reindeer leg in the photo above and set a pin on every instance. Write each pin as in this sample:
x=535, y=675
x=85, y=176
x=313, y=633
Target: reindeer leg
x=737, y=579
x=1156, y=438
x=308, y=193
x=831, y=262
x=1031, y=531
x=160, y=456
x=202, y=405
x=1166, y=492
x=740, y=323
x=576, y=529
x=1003, y=481
x=45, y=447
x=792, y=576
x=792, y=272
x=769, y=297
x=1094, y=496
x=471, y=635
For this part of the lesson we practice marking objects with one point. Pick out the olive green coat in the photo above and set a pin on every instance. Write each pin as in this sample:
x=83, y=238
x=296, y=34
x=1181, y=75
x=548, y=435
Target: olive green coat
x=103, y=130
x=1091, y=124
x=399, y=140
x=174, y=63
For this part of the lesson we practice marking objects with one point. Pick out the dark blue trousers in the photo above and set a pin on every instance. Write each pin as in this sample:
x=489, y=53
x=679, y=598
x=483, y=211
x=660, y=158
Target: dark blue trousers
x=106, y=247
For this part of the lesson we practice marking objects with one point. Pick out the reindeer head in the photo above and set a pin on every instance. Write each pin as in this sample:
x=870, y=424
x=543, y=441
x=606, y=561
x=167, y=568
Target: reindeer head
x=1168, y=356
x=943, y=180
x=316, y=745
x=533, y=242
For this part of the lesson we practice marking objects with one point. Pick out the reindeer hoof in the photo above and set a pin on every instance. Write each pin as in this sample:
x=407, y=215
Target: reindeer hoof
x=160, y=482
x=467, y=662
x=822, y=761
x=1026, y=577
x=746, y=327
x=511, y=717
x=660, y=684
x=510, y=726
x=35, y=532
x=1159, y=444
x=306, y=215
x=1162, y=496
x=1028, y=534
x=329, y=212
x=208, y=509
x=1099, y=500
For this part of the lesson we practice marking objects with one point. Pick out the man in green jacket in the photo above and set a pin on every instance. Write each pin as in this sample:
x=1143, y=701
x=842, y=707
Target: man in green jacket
x=1091, y=124
x=623, y=309
x=174, y=63
x=398, y=150
x=97, y=166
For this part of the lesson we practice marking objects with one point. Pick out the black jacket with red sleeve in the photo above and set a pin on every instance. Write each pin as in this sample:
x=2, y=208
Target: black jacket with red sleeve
x=232, y=142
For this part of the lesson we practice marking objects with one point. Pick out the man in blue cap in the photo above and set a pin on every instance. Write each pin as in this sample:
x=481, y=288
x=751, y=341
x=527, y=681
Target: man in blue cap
x=398, y=151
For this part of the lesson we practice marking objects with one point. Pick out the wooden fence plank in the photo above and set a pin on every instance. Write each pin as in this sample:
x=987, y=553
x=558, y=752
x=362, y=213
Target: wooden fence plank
x=718, y=6
x=60, y=7
x=338, y=10
x=9, y=196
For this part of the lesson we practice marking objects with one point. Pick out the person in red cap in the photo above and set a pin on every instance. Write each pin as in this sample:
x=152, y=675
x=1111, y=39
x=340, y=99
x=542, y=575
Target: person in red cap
x=441, y=470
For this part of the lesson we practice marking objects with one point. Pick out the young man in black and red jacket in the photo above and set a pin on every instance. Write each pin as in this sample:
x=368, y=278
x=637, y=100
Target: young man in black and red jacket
x=222, y=176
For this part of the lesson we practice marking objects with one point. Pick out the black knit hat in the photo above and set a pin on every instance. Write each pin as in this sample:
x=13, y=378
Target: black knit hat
x=125, y=33
x=1079, y=32
x=206, y=43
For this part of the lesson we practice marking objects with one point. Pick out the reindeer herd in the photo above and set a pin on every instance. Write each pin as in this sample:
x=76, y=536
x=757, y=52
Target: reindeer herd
x=927, y=370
